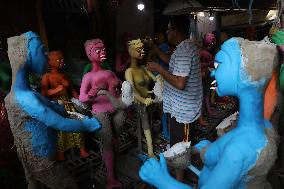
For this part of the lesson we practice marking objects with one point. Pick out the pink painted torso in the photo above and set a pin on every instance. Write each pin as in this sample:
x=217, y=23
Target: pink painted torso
x=206, y=59
x=102, y=79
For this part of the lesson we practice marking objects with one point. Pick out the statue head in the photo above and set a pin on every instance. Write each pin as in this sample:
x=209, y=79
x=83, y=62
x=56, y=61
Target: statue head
x=244, y=65
x=135, y=49
x=209, y=40
x=27, y=50
x=56, y=59
x=95, y=50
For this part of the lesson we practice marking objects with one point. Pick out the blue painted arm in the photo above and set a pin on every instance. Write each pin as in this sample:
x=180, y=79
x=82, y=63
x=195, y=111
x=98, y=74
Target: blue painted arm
x=156, y=173
x=42, y=112
x=52, y=104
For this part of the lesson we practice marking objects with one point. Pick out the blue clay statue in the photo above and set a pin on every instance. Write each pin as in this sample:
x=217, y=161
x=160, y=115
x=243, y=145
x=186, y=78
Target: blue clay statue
x=242, y=157
x=34, y=120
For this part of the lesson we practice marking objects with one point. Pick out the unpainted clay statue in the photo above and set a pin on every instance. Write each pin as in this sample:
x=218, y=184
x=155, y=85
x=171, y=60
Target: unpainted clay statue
x=34, y=120
x=112, y=119
x=57, y=86
x=242, y=157
x=8, y=154
x=140, y=78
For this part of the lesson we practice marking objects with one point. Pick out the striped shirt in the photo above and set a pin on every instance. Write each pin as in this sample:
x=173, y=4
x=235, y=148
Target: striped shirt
x=184, y=105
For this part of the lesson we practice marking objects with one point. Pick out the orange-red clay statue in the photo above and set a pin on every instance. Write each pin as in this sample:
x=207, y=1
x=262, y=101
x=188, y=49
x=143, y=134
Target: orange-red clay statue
x=57, y=86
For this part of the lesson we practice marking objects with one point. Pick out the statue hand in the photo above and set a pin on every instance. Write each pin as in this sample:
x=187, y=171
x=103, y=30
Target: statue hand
x=114, y=101
x=59, y=88
x=155, y=172
x=199, y=146
x=148, y=101
x=92, y=93
x=103, y=92
x=91, y=124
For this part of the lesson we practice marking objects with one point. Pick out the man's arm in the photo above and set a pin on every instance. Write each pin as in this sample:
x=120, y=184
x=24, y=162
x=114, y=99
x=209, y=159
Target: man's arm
x=178, y=82
x=163, y=56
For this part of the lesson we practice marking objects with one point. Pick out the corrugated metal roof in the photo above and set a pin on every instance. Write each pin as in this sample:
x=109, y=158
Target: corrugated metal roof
x=186, y=6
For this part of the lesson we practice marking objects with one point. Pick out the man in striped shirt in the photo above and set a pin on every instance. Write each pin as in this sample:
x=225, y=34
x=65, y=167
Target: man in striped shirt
x=182, y=95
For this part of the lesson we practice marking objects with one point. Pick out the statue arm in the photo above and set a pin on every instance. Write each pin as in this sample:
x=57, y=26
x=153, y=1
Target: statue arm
x=74, y=93
x=67, y=83
x=45, y=91
x=44, y=113
x=85, y=87
x=137, y=96
x=44, y=85
x=51, y=92
x=116, y=102
x=150, y=74
x=165, y=57
x=119, y=66
x=201, y=148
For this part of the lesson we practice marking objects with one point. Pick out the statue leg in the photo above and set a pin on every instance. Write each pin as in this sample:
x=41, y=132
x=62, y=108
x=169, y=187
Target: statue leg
x=108, y=155
x=146, y=127
x=61, y=145
x=118, y=120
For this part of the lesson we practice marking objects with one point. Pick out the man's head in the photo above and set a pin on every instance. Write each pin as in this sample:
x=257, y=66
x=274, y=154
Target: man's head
x=159, y=38
x=178, y=29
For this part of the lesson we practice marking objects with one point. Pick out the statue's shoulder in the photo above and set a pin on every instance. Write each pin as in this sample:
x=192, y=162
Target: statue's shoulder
x=129, y=70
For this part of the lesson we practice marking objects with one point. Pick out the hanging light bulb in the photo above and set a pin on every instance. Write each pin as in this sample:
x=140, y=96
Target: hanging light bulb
x=211, y=17
x=140, y=6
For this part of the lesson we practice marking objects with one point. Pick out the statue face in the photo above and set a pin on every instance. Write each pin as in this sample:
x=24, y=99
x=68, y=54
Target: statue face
x=209, y=40
x=136, y=49
x=56, y=59
x=37, y=58
x=95, y=50
x=226, y=71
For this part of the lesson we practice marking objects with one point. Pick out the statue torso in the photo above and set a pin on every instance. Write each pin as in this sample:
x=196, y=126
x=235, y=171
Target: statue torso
x=107, y=80
x=56, y=79
x=141, y=81
x=29, y=134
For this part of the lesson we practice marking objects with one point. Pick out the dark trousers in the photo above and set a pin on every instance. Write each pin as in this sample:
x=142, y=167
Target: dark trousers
x=179, y=131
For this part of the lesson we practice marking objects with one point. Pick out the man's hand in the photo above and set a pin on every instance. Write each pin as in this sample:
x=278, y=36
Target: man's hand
x=149, y=41
x=153, y=66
